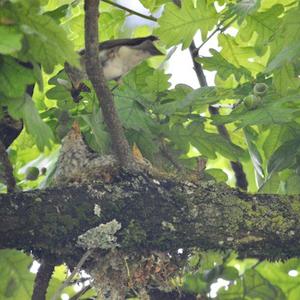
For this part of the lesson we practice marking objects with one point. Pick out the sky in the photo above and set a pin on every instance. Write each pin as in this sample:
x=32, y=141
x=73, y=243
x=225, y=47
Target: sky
x=180, y=64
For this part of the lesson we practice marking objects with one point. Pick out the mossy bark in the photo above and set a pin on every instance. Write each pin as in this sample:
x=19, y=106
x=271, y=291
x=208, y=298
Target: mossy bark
x=155, y=214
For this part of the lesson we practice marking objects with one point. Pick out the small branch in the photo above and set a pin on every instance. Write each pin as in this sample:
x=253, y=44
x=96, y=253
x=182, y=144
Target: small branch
x=133, y=12
x=197, y=67
x=81, y=292
x=9, y=128
x=8, y=169
x=104, y=95
x=75, y=271
x=241, y=180
x=42, y=279
x=218, y=29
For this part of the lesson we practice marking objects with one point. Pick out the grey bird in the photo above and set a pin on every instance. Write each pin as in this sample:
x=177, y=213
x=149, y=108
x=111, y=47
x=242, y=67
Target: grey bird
x=117, y=58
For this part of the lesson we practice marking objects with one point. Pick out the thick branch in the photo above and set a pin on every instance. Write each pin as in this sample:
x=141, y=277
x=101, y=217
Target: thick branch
x=155, y=215
x=104, y=95
x=7, y=168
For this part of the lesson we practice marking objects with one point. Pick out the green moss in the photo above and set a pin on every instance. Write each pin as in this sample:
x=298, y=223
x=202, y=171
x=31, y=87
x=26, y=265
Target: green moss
x=133, y=235
x=295, y=203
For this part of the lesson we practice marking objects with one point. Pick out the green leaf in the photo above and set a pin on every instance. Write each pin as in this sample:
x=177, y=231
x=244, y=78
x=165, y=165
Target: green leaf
x=271, y=185
x=224, y=69
x=157, y=82
x=131, y=111
x=25, y=109
x=193, y=283
x=286, y=55
x=10, y=39
x=285, y=79
x=284, y=156
x=244, y=8
x=207, y=143
x=13, y=77
x=147, y=143
x=261, y=27
x=171, y=101
x=16, y=281
x=47, y=42
x=251, y=286
x=135, y=79
x=266, y=114
x=112, y=21
x=153, y=5
x=218, y=174
x=230, y=273
x=277, y=136
x=58, y=12
x=292, y=185
x=278, y=274
x=99, y=138
x=199, y=98
x=179, y=25
x=255, y=157
x=238, y=55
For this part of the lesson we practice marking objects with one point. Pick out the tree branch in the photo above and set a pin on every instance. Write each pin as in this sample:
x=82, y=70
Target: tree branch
x=9, y=129
x=104, y=95
x=241, y=180
x=74, y=272
x=167, y=214
x=8, y=169
x=42, y=280
x=133, y=12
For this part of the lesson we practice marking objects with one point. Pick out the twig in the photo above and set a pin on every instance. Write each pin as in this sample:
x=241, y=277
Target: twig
x=81, y=292
x=8, y=169
x=75, y=271
x=42, y=279
x=218, y=29
x=133, y=12
x=104, y=95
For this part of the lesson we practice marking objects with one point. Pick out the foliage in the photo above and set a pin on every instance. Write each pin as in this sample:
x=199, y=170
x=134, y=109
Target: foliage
x=258, y=43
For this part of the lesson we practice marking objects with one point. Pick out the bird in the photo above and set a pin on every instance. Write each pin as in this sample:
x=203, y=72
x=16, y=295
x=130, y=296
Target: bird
x=77, y=163
x=117, y=57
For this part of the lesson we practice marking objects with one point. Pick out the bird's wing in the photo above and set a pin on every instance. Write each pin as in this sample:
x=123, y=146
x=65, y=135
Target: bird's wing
x=122, y=42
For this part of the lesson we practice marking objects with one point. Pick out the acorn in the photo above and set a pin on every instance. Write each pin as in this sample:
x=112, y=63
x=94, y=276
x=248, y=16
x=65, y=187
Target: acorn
x=32, y=173
x=252, y=101
x=260, y=89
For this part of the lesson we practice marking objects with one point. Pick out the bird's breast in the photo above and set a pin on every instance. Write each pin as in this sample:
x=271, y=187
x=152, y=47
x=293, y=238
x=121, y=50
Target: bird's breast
x=120, y=61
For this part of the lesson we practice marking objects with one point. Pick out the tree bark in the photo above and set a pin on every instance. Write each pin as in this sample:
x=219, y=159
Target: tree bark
x=155, y=214
x=95, y=74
